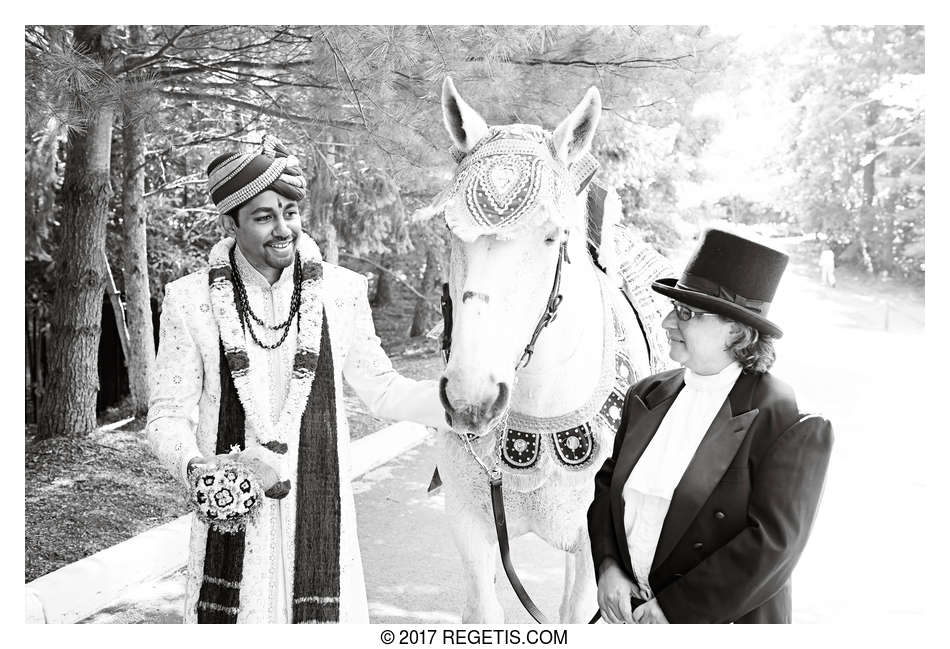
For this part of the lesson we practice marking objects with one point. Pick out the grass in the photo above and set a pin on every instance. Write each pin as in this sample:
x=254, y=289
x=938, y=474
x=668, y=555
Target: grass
x=85, y=494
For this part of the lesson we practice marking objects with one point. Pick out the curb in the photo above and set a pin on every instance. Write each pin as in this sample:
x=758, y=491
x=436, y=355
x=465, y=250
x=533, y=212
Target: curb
x=84, y=587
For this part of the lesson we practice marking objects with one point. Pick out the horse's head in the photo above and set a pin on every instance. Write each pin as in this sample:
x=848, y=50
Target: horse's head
x=518, y=195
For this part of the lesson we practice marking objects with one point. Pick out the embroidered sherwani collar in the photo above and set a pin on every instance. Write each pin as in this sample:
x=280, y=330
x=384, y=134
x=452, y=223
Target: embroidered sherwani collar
x=253, y=277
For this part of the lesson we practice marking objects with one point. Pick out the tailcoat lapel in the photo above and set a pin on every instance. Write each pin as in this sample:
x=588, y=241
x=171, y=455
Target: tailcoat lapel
x=713, y=456
x=644, y=419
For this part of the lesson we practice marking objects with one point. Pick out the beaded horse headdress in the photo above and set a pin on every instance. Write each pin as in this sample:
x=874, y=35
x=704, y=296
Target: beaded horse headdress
x=510, y=181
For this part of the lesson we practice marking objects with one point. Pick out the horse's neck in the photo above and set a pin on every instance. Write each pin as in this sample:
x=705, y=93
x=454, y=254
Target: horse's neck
x=567, y=362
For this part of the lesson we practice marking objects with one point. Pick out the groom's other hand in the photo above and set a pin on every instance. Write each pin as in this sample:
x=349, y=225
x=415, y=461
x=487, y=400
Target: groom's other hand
x=263, y=463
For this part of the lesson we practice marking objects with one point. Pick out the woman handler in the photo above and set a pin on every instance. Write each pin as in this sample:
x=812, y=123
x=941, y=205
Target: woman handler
x=705, y=505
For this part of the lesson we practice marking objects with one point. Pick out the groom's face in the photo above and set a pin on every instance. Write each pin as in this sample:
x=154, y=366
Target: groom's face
x=266, y=229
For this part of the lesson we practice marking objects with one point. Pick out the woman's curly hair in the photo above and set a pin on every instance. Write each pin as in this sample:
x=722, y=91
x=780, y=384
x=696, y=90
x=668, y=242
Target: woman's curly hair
x=754, y=351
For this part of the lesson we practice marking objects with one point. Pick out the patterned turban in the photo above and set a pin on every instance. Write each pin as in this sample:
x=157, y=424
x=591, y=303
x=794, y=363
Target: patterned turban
x=236, y=178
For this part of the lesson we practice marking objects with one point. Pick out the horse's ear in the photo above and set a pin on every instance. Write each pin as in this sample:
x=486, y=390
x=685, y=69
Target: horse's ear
x=462, y=122
x=573, y=136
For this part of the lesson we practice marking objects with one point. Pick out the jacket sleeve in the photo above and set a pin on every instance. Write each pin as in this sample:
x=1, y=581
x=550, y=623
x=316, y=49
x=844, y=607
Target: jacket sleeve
x=386, y=393
x=175, y=391
x=600, y=525
x=755, y=564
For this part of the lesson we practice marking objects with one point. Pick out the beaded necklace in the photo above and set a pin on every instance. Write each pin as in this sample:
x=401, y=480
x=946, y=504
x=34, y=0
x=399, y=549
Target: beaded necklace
x=246, y=314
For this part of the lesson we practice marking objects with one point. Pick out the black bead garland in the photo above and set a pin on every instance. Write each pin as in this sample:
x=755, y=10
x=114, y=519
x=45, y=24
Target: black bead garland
x=246, y=314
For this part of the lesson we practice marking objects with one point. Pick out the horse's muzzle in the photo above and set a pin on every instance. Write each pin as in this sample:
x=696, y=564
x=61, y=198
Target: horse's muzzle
x=474, y=419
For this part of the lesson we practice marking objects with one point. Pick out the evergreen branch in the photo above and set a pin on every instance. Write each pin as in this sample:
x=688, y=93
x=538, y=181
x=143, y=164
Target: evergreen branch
x=237, y=103
x=438, y=49
x=349, y=79
x=176, y=184
x=135, y=63
x=638, y=63
x=198, y=66
x=216, y=138
x=216, y=68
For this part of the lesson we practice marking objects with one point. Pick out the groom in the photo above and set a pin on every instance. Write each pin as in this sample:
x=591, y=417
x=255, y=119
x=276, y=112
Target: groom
x=251, y=356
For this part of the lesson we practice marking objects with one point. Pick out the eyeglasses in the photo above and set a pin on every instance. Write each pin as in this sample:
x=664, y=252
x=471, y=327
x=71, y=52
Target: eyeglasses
x=685, y=313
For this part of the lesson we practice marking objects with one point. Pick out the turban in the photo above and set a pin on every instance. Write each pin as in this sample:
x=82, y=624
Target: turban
x=236, y=178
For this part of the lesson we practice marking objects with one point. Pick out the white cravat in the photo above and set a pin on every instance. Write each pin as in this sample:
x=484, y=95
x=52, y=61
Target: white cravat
x=649, y=488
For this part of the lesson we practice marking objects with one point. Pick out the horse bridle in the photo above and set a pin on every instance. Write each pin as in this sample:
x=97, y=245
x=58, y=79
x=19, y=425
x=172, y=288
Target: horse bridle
x=550, y=311
x=547, y=317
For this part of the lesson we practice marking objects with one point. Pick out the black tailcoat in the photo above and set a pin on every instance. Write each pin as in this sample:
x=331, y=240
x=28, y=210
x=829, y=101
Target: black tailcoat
x=741, y=514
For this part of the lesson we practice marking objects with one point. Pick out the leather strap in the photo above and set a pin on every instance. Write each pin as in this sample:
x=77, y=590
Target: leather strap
x=550, y=311
x=501, y=531
x=446, y=304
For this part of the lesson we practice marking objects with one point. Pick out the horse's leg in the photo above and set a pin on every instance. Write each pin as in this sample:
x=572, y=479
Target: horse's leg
x=477, y=548
x=563, y=610
x=580, y=602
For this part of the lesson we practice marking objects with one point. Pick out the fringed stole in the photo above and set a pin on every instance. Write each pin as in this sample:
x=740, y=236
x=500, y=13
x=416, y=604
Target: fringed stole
x=316, y=585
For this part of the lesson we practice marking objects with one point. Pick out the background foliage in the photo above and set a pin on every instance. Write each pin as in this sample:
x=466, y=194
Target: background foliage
x=360, y=107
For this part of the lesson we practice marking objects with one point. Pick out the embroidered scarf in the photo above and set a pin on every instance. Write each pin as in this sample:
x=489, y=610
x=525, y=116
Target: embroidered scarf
x=311, y=406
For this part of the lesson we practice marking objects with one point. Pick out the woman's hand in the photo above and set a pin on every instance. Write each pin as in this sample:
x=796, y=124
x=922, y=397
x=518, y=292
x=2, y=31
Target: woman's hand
x=649, y=613
x=614, y=590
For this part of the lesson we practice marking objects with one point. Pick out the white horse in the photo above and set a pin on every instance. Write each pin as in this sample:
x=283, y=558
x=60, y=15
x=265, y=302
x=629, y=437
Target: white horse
x=519, y=203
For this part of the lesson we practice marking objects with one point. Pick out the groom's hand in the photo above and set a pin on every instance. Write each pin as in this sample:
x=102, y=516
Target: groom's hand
x=198, y=464
x=263, y=463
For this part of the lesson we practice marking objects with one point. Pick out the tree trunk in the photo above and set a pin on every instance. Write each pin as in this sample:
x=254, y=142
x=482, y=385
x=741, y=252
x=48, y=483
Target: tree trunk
x=384, y=290
x=69, y=403
x=423, y=316
x=323, y=204
x=888, y=243
x=331, y=248
x=869, y=190
x=141, y=359
x=868, y=218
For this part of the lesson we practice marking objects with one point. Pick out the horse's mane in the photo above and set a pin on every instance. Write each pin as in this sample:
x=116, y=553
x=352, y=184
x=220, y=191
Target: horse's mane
x=604, y=215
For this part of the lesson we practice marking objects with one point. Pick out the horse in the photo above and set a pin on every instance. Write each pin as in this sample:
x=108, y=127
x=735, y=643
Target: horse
x=544, y=342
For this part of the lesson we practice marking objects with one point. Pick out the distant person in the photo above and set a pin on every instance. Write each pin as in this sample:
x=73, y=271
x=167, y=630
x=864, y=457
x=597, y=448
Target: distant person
x=705, y=504
x=253, y=351
x=826, y=262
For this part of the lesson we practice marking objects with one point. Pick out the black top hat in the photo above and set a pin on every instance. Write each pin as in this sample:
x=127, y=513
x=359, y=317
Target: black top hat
x=731, y=276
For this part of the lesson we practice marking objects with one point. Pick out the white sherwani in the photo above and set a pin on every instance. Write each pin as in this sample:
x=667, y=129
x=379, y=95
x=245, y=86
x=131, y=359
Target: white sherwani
x=183, y=419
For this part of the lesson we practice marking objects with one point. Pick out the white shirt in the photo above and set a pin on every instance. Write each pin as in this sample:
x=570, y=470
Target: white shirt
x=649, y=489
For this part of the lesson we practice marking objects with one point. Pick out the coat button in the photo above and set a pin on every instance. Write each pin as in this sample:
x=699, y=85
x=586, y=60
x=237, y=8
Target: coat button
x=677, y=575
x=698, y=545
x=720, y=515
